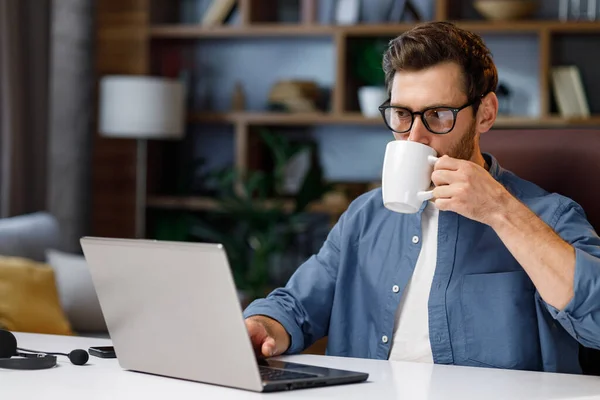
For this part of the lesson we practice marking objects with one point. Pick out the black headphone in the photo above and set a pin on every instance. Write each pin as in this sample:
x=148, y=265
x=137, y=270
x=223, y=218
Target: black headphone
x=32, y=359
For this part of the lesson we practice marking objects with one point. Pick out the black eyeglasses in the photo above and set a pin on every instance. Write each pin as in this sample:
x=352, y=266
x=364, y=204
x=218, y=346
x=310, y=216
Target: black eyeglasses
x=438, y=120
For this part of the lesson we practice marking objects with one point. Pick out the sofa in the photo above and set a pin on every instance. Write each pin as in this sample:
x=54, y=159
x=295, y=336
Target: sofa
x=31, y=254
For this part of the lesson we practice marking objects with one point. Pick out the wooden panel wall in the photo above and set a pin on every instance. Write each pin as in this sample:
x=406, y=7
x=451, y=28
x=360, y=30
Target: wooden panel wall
x=121, y=48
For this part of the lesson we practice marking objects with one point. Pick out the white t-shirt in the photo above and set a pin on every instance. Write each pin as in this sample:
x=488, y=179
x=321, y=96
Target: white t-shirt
x=411, y=330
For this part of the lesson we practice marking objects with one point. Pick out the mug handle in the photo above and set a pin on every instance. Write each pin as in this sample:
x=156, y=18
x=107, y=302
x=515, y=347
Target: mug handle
x=427, y=195
x=422, y=196
x=432, y=160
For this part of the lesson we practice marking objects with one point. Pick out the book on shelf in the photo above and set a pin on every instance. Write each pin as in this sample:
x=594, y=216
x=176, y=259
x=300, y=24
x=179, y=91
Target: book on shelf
x=347, y=12
x=569, y=92
x=218, y=12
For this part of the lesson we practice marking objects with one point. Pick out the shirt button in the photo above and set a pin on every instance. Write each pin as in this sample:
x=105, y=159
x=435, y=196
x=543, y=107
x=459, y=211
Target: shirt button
x=395, y=289
x=415, y=239
x=384, y=339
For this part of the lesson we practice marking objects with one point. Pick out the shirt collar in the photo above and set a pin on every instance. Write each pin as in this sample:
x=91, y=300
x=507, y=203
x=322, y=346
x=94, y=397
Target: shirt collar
x=495, y=168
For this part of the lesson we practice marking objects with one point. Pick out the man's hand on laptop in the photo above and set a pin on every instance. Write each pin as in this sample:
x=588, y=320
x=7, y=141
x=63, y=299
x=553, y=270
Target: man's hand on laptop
x=269, y=338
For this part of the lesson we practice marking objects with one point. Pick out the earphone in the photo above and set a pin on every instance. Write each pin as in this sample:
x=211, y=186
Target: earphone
x=32, y=359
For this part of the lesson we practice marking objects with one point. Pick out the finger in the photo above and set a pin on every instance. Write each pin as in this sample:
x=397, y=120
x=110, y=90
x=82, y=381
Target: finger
x=447, y=162
x=443, y=192
x=443, y=204
x=257, y=333
x=269, y=347
x=444, y=177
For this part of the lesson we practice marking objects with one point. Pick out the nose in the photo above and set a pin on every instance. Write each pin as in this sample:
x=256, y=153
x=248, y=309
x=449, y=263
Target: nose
x=418, y=132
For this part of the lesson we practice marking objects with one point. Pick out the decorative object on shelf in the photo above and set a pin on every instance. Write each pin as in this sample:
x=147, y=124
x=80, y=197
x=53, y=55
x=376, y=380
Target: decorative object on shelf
x=326, y=10
x=506, y=10
x=141, y=108
x=572, y=10
x=254, y=228
x=504, y=96
x=347, y=12
x=203, y=88
x=396, y=12
x=190, y=11
x=367, y=55
x=294, y=96
x=295, y=170
x=408, y=12
x=350, y=12
x=238, y=98
x=370, y=98
x=592, y=9
x=218, y=12
x=376, y=11
x=569, y=92
x=288, y=11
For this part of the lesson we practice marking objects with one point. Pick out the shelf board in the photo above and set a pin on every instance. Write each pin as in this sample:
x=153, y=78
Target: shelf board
x=374, y=29
x=309, y=119
x=190, y=31
x=476, y=26
x=267, y=118
x=546, y=122
x=573, y=27
x=334, y=206
x=529, y=26
x=482, y=27
x=184, y=203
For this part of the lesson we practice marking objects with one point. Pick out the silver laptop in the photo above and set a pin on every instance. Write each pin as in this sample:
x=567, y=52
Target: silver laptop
x=172, y=309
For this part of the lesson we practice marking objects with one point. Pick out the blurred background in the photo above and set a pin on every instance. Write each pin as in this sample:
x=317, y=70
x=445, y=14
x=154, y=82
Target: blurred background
x=252, y=123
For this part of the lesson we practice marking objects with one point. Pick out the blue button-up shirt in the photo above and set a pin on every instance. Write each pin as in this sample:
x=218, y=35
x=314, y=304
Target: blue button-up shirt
x=483, y=308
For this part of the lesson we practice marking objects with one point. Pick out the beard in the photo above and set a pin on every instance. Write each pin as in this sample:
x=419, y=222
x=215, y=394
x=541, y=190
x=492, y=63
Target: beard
x=463, y=150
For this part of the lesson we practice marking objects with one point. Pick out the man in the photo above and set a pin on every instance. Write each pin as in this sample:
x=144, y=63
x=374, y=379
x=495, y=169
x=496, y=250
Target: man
x=492, y=272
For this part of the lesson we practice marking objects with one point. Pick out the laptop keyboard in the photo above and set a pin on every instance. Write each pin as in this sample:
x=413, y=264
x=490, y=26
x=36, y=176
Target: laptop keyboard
x=275, y=374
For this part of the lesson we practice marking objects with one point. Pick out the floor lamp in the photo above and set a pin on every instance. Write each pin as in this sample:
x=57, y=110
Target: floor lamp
x=141, y=108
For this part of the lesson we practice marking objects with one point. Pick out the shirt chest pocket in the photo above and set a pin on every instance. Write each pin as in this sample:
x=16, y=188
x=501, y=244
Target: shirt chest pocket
x=500, y=322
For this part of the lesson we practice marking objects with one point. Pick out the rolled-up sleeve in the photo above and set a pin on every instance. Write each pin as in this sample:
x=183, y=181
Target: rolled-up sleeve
x=581, y=316
x=304, y=305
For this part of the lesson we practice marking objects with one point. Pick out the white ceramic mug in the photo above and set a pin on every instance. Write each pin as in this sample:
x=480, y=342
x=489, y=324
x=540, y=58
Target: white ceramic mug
x=407, y=169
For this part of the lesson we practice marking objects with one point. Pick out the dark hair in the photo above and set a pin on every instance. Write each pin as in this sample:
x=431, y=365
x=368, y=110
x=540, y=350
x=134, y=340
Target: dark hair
x=432, y=43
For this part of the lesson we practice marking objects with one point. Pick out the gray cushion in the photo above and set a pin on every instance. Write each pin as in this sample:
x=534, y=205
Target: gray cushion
x=29, y=235
x=76, y=291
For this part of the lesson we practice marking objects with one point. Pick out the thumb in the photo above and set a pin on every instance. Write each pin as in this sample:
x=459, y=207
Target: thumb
x=269, y=347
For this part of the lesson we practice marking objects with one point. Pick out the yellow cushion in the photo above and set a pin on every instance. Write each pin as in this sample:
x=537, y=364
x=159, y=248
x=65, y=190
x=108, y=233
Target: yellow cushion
x=29, y=299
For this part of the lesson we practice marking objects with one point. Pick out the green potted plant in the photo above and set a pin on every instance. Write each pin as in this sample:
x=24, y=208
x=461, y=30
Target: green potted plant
x=251, y=222
x=367, y=55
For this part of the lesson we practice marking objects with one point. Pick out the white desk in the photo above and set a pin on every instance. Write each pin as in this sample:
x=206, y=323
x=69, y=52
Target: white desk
x=104, y=379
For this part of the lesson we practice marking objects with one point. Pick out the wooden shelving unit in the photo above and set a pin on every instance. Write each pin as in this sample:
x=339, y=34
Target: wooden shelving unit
x=129, y=31
x=339, y=113
x=292, y=30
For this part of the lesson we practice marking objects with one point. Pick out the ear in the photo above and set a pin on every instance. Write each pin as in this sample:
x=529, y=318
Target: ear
x=487, y=112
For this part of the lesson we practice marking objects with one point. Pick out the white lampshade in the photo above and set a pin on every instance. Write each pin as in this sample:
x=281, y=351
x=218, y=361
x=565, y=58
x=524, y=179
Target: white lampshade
x=141, y=107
